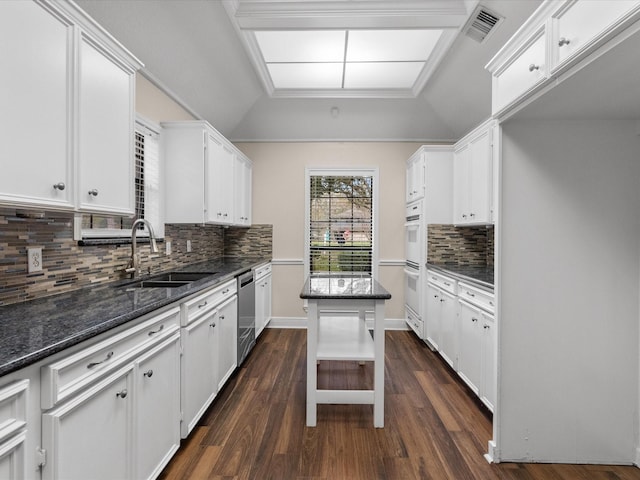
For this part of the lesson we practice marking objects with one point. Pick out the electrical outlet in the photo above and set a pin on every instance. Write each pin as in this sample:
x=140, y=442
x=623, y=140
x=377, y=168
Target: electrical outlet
x=34, y=259
x=167, y=246
x=188, y=246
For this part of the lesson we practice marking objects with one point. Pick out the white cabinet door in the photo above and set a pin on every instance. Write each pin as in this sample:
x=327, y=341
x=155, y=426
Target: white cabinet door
x=473, y=179
x=90, y=436
x=480, y=179
x=449, y=328
x=242, y=180
x=227, y=326
x=105, y=130
x=12, y=457
x=415, y=181
x=199, y=369
x=35, y=89
x=267, y=301
x=584, y=21
x=432, y=323
x=220, y=182
x=470, y=342
x=157, y=398
x=461, y=197
x=489, y=381
x=261, y=313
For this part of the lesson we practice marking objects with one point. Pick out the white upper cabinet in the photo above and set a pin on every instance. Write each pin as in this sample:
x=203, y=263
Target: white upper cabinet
x=204, y=184
x=35, y=45
x=415, y=184
x=105, y=129
x=577, y=25
x=557, y=37
x=473, y=178
x=242, y=178
x=68, y=121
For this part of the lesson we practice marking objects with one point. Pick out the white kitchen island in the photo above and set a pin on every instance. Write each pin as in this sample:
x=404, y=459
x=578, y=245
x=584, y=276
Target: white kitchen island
x=333, y=336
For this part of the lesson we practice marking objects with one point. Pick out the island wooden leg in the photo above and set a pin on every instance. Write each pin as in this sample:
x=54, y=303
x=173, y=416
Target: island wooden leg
x=312, y=353
x=378, y=372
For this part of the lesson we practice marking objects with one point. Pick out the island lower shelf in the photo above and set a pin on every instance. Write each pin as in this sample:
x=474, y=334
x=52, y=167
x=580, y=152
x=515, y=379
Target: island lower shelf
x=344, y=338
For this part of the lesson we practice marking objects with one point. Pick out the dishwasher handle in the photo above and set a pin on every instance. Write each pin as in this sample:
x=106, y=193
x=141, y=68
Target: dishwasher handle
x=245, y=279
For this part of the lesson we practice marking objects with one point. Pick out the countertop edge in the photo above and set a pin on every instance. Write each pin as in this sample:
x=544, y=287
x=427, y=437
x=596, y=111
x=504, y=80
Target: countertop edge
x=462, y=277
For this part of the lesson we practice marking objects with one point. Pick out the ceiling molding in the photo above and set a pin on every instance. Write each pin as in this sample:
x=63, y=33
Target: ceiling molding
x=248, y=16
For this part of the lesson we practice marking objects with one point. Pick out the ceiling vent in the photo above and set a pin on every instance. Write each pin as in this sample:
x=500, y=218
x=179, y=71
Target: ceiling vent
x=482, y=23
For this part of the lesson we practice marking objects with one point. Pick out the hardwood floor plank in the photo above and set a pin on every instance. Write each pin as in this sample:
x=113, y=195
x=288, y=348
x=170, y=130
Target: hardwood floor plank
x=434, y=428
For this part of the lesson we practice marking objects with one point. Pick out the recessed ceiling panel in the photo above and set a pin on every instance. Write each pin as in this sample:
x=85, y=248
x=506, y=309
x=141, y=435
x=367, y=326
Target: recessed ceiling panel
x=306, y=75
x=381, y=74
x=301, y=46
x=391, y=45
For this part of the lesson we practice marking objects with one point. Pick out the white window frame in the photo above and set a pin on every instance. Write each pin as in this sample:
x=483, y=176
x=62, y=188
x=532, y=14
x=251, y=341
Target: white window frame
x=154, y=185
x=341, y=172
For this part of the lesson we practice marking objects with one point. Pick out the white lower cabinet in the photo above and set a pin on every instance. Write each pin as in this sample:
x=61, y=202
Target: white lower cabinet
x=121, y=419
x=227, y=351
x=470, y=354
x=209, y=346
x=489, y=380
x=12, y=458
x=91, y=435
x=13, y=430
x=448, y=328
x=263, y=297
x=157, y=398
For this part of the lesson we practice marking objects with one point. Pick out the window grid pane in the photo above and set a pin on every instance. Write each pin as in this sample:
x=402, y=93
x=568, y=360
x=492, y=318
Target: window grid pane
x=341, y=224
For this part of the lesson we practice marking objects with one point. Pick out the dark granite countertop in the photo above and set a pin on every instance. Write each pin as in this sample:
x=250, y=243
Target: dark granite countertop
x=481, y=275
x=341, y=286
x=36, y=329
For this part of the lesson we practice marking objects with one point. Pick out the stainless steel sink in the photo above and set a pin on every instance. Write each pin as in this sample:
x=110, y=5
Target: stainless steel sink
x=169, y=280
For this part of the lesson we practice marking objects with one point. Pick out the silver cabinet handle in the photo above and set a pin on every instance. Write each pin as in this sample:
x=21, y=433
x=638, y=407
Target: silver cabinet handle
x=491, y=303
x=93, y=192
x=474, y=319
x=447, y=284
x=486, y=327
x=148, y=373
x=224, y=292
x=212, y=325
x=442, y=299
x=203, y=304
x=464, y=215
x=60, y=186
x=221, y=317
x=94, y=364
x=533, y=67
x=153, y=332
x=122, y=393
x=472, y=214
x=563, y=41
x=470, y=294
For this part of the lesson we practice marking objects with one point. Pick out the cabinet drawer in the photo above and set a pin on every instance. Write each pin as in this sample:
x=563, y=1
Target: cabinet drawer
x=414, y=322
x=520, y=73
x=66, y=377
x=477, y=296
x=13, y=408
x=198, y=306
x=262, y=272
x=447, y=284
x=581, y=23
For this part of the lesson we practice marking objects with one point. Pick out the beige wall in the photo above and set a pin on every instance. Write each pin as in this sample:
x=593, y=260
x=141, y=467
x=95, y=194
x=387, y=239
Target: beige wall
x=279, y=199
x=153, y=104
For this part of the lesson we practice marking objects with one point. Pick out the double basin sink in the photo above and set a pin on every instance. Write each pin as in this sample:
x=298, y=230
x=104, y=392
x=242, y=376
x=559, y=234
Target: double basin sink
x=169, y=280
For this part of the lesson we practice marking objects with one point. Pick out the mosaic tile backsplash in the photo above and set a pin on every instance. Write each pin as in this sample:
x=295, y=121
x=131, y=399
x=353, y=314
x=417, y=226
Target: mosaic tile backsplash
x=451, y=245
x=68, y=266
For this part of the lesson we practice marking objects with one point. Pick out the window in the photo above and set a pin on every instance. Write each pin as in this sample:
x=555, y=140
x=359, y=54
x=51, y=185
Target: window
x=340, y=221
x=147, y=190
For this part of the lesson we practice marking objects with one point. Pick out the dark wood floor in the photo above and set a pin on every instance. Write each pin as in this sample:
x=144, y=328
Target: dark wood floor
x=434, y=428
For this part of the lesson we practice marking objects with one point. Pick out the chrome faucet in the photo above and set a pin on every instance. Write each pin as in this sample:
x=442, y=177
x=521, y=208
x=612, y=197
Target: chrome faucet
x=133, y=267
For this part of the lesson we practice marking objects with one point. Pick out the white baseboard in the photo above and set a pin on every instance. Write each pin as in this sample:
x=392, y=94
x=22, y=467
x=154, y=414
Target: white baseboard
x=490, y=456
x=301, y=322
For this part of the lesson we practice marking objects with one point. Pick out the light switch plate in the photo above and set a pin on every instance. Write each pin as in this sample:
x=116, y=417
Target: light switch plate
x=34, y=259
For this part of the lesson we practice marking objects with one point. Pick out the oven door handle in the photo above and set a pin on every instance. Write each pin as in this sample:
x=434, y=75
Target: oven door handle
x=411, y=274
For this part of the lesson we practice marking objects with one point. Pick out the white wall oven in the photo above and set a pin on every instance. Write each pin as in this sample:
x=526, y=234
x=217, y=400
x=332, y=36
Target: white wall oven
x=414, y=267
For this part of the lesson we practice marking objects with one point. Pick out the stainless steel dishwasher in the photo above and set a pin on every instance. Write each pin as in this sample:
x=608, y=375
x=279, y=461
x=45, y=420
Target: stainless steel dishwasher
x=246, y=315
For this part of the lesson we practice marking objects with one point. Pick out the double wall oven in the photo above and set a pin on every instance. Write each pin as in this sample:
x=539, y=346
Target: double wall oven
x=414, y=266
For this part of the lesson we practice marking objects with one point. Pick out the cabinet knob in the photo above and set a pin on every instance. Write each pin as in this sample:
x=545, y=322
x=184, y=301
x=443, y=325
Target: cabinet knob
x=533, y=67
x=563, y=41
x=470, y=294
x=474, y=319
x=472, y=214
x=486, y=327
x=212, y=325
x=148, y=373
x=93, y=192
x=59, y=186
x=122, y=393
x=464, y=215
